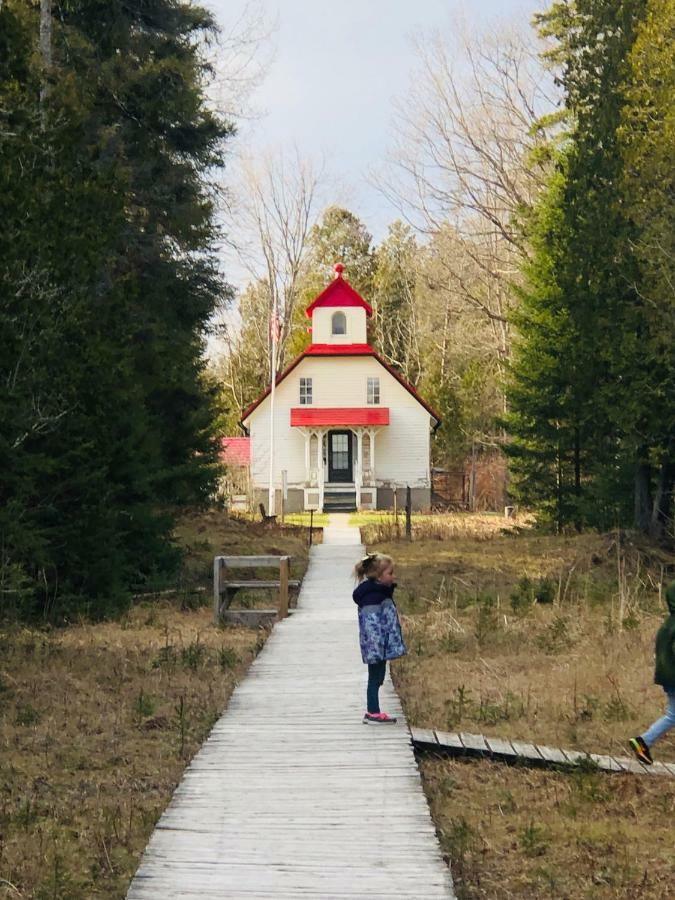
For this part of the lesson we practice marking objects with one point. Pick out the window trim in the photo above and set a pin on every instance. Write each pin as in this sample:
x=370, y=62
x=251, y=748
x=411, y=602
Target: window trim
x=373, y=393
x=306, y=392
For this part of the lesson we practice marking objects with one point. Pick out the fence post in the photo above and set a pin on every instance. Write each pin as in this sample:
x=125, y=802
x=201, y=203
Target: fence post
x=408, y=513
x=283, y=586
x=216, y=588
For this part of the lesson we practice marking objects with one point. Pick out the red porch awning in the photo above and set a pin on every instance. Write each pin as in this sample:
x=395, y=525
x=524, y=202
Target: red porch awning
x=368, y=415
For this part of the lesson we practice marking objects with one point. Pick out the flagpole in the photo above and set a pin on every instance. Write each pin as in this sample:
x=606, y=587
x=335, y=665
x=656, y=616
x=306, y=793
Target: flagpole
x=274, y=326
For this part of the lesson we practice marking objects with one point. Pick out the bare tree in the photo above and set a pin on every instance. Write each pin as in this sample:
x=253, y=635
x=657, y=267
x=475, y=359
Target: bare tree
x=275, y=208
x=471, y=158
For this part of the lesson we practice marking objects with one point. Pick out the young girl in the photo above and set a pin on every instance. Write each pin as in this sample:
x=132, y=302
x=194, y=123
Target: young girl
x=379, y=628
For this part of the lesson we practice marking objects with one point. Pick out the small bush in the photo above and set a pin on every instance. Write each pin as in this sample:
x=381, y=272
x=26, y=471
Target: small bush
x=227, y=658
x=534, y=840
x=27, y=715
x=487, y=625
x=193, y=655
x=556, y=637
x=545, y=591
x=144, y=705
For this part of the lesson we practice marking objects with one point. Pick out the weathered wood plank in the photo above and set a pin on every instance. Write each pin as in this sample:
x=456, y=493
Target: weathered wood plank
x=501, y=748
x=552, y=754
x=475, y=743
x=450, y=740
x=250, y=562
x=529, y=751
x=423, y=736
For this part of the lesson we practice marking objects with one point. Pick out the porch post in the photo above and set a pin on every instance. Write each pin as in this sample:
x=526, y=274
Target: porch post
x=319, y=463
x=308, y=440
x=372, y=454
x=358, y=474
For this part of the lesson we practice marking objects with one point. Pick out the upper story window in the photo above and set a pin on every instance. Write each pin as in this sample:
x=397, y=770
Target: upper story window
x=339, y=323
x=305, y=391
x=373, y=391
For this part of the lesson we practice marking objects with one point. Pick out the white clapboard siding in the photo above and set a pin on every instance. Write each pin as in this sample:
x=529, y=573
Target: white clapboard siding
x=401, y=448
x=292, y=796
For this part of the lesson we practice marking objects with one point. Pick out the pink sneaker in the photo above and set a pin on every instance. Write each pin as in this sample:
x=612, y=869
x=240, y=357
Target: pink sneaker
x=378, y=719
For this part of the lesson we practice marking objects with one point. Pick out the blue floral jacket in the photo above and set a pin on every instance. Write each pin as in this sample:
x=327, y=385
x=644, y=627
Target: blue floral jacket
x=379, y=627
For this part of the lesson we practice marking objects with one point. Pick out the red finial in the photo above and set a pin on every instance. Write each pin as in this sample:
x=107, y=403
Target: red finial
x=339, y=269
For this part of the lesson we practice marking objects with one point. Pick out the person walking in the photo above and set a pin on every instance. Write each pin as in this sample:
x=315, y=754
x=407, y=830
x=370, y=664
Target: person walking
x=664, y=675
x=380, y=634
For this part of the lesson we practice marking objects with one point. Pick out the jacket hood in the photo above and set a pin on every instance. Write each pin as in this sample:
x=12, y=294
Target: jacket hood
x=370, y=586
x=670, y=597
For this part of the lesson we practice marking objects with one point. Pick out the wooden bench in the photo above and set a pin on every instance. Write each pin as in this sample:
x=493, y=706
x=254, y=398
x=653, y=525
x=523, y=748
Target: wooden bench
x=224, y=588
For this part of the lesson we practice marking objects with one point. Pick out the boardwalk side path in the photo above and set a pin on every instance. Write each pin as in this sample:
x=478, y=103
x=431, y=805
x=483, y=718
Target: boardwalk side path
x=465, y=744
x=291, y=795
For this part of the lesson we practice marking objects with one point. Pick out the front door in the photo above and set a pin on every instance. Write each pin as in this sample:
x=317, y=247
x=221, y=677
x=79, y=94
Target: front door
x=340, y=456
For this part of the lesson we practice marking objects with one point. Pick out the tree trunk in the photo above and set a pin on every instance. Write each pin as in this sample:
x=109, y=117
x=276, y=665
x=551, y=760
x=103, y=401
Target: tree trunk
x=577, y=480
x=663, y=496
x=45, y=47
x=642, y=492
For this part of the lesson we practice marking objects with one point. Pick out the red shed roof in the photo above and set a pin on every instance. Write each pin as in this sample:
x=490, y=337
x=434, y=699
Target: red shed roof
x=344, y=350
x=368, y=415
x=235, y=451
x=339, y=293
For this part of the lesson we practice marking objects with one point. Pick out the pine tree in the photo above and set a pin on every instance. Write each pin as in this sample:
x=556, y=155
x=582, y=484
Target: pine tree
x=584, y=277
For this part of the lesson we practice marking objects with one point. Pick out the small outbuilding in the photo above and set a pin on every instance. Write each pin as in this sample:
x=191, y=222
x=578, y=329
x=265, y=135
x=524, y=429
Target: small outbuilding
x=349, y=430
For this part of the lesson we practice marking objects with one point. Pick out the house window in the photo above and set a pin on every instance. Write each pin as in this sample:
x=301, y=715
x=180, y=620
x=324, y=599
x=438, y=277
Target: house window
x=373, y=391
x=339, y=323
x=305, y=391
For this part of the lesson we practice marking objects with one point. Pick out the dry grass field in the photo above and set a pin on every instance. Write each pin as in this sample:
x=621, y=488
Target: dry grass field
x=97, y=721
x=547, y=639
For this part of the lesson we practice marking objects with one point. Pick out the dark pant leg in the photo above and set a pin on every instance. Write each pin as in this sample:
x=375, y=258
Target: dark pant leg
x=375, y=679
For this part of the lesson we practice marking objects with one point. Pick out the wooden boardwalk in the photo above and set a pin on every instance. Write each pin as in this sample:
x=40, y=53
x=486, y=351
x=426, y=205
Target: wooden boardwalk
x=291, y=795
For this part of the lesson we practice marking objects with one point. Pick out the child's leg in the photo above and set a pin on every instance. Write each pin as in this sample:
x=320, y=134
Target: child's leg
x=662, y=725
x=375, y=679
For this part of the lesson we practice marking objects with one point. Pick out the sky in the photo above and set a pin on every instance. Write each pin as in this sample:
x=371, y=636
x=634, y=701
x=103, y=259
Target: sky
x=333, y=73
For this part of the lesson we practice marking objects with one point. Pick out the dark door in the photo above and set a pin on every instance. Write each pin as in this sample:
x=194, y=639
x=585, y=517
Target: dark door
x=340, y=456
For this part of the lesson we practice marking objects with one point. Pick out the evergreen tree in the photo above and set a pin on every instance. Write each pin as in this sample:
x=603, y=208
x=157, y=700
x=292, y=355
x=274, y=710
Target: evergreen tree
x=583, y=310
x=107, y=280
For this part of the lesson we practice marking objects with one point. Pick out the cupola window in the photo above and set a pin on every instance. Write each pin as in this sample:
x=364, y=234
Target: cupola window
x=339, y=323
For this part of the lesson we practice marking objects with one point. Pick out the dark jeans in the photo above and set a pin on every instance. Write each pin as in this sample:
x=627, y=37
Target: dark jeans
x=375, y=679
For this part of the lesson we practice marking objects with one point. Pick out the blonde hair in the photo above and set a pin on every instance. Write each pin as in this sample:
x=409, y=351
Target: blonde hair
x=372, y=566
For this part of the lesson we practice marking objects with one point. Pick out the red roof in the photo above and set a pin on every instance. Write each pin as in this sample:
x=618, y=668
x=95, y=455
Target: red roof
x=339, y=293
x=369, y=415
x=344, y=350
x=235, y=451
x=338, y=350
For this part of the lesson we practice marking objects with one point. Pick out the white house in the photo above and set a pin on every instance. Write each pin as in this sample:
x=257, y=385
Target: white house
x=349, y=430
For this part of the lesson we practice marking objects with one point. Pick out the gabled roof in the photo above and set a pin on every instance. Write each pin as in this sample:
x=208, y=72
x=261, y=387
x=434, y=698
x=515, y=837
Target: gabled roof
x=339, y=293
x=342, y=350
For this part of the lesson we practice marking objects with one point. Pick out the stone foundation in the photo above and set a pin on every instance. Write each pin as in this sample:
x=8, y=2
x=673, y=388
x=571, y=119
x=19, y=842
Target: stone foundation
x=420, y=497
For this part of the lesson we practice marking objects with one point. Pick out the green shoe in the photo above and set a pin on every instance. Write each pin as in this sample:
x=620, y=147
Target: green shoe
x=641, y=750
